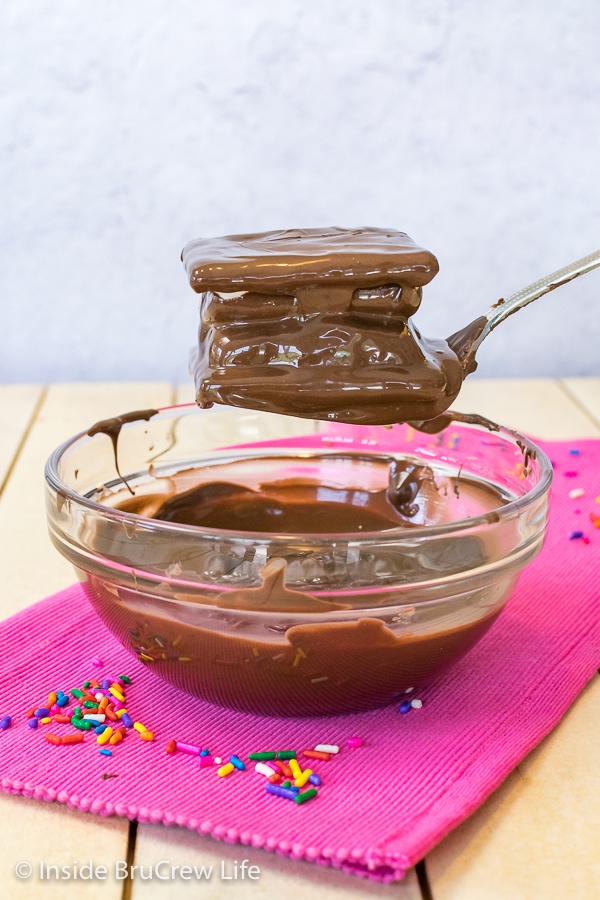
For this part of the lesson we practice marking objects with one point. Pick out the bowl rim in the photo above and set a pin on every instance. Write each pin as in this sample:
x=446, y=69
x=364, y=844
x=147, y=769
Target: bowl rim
x=391, y=535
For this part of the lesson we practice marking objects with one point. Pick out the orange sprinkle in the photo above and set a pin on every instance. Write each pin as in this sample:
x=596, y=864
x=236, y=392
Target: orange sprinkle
x=30, y=713
x=110, y=714
x=52, y=698
x=274, y=778
x=316, y=754
x=171, y=747
x=71, y=738
x=103, y=703
x=147, y=736
x=64, y=719
x=117, y=736
x=52, y=738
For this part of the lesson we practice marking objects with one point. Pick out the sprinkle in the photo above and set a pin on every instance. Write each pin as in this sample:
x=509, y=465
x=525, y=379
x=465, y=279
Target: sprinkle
x=126, y=720
x=316, y=754
x=409, y=690
x=296, y=770
x=125, y=679
x=302, y=778
x=263, y=769
x=42, y=712
x=264, y=754
x=205, y=761
x=571, y=474
x=106, y=752
x=192, y=749
x=96, y=661
x=76, y=722
x=595, y=520
x=115, y=738
x=105, y=737
x=94, y=717
x=315, y=779
x=275, y=778
x=52, y=738
x=33, y=723
x=280, y=791
x=205, y=752
x=147, y=735
x=416, y=703
x=576, y=492
x=100, y=728
x=354, y=742
x=225, y=770
x=52, y=698
x=328, y=748
x=45, y=720
x=116, y=692
x=305, y=795
x=575, y=535
x=217, y=760
x=286, y=754
x=574, y=451
x=5, y=722
x=237, y=762
x=141, y=728
x=171, y=747
x=405, y=707
x=72, y=738
x=62, y=700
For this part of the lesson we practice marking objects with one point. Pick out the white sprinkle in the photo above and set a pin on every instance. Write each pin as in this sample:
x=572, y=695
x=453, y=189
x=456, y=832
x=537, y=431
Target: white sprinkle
x=409, y=690
x=95, y=717
x=262, y=769
x=416, y=703
x=576, y=492
x=99, y=696
x=217, y=761
x=327, y=748
x=318, y=680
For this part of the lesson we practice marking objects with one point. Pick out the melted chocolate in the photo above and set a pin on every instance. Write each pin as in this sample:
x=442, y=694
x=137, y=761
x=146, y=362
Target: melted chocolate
x=112, y=428
x=316, y=323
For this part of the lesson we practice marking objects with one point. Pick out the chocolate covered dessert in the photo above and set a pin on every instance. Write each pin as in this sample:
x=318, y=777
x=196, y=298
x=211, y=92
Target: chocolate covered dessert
x=317, y=323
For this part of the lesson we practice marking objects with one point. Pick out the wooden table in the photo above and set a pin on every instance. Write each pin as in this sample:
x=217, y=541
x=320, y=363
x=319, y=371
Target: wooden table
x=537, y=837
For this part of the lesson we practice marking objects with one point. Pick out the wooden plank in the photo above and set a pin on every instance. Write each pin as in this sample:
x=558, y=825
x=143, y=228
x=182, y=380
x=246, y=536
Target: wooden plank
x=538, y=407
x=18, y=404
x=278, y=877
x=32, y=831
x=585, y=392
x=36, y=568
x=35, y=832
x=537, y=836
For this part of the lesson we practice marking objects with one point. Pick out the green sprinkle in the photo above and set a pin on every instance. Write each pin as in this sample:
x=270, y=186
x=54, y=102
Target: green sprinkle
x=286, y=754
x=266, y=754
x=124, y=678
x=77, y=712
x=75, y=692
x=82, y=724
x=87, y=684
x=286, y=784
x=89, y=704
x=303, y=796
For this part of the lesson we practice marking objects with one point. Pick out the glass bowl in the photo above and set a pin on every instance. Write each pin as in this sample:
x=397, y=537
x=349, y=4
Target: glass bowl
x=317, y=621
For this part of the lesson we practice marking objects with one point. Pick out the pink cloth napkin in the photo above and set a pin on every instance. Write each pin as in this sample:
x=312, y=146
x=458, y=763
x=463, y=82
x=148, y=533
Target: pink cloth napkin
x=382, y=806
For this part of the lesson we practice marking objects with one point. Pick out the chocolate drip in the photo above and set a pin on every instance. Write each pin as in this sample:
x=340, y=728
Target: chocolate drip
x=112, y=428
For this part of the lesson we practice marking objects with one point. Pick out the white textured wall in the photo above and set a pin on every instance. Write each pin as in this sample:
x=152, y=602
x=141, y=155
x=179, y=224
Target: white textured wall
x=128, y=128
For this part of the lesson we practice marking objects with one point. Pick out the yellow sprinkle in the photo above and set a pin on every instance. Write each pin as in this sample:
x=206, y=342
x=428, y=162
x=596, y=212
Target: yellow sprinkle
x=116, y=693
x=296, y=770
x=185, y=659
x=45, y=720
x=120, y=712
x=301, y=780
x=145, y=656
x=105, y=737
x=410, y=432
x=177, y=641
x=227, y=769
x=139, y=727
x=255, y=651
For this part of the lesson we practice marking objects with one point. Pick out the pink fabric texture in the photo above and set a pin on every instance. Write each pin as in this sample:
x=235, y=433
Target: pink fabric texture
x=381, y=806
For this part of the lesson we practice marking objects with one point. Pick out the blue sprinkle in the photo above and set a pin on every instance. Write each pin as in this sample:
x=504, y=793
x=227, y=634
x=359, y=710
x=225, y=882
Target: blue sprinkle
x=280, y=791
x=105, y=684
x=315, y=779
x=575, y=535
x=405, y=707
x=574, y=451
x=127, y=720
x=237, y=762
x=33, y=723
x=5, y=722
x=42, y=712
x=205, y=752
x=62, y=700
x=105, y=752
x=100, y=728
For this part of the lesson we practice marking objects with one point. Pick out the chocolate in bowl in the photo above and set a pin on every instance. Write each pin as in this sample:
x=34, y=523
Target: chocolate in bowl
x=380, y=594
